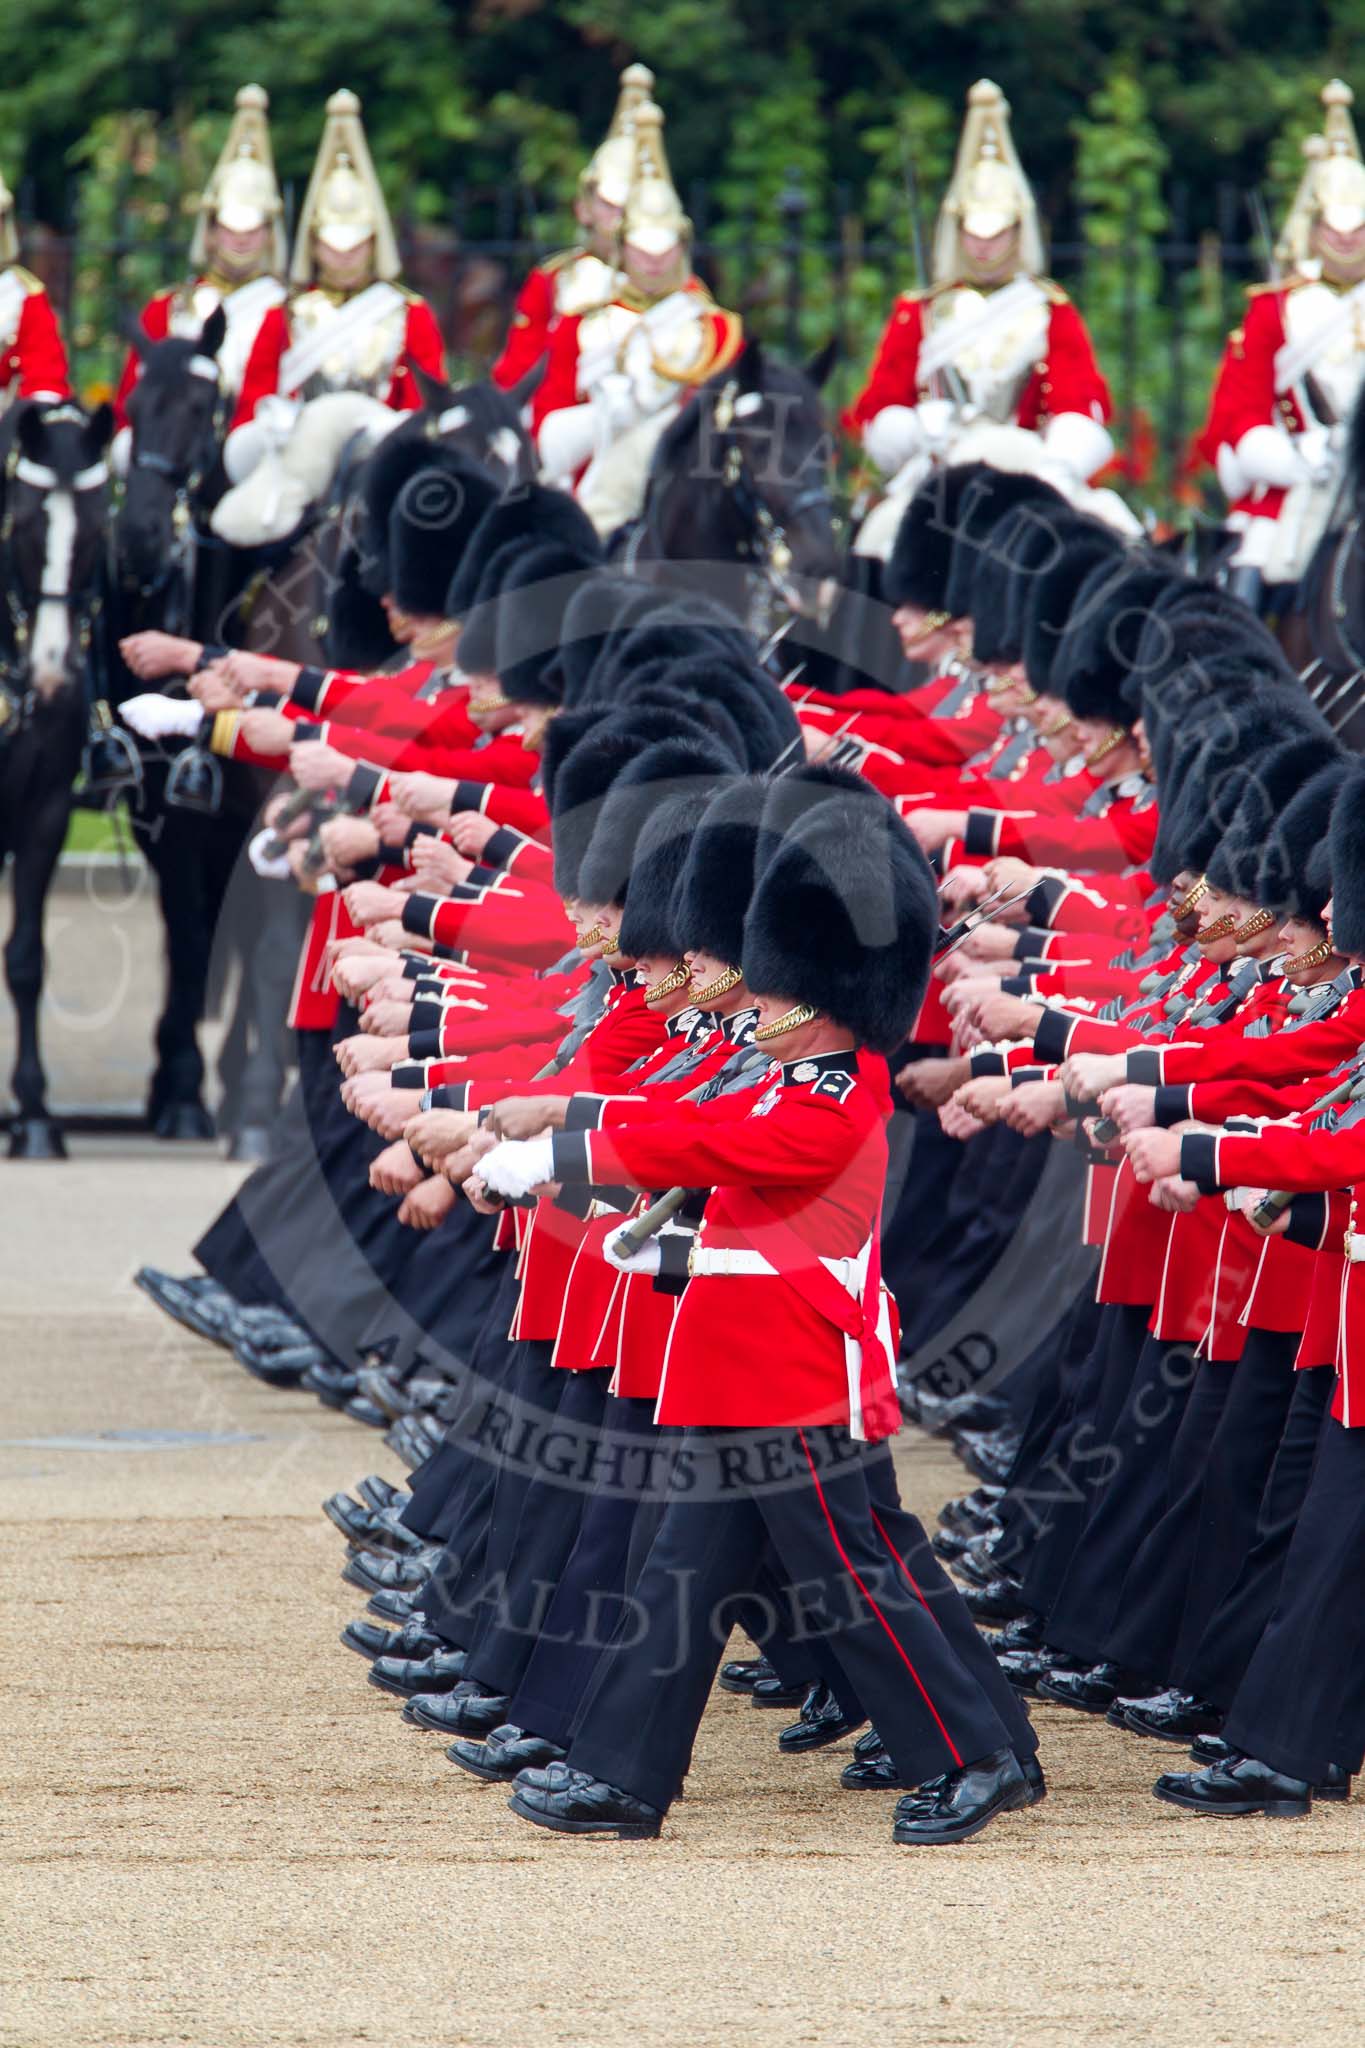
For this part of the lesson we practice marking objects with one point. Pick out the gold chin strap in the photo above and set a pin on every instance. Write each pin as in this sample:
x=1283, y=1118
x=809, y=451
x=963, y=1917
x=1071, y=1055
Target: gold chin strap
x=790, y=1020
x=678, y=977
x=729, y=978
x=997, y=686
x=593, y=936
x=1056, y=725
x=1114, y=738
x=609, y=943
x=1221, y=928
x=934, y=622
x=1301, y=962
x=1259, y=921
x=1187, y=903
x=493, y=701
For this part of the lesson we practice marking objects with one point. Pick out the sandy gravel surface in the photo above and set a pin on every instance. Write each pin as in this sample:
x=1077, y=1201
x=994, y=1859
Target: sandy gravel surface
x=214, y=1833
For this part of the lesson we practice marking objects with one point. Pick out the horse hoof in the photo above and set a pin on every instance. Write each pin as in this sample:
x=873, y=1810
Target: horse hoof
x=181, y=1122
x=250, y=1145
x=36, y=1137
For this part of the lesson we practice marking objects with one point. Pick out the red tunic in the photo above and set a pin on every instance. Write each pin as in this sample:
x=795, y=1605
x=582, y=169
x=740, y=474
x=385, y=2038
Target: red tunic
x=422, y=345
x=1244, y=394
x=33, y=359
x=1067, y=379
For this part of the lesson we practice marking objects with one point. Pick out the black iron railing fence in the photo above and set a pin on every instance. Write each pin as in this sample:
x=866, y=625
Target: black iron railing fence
x=1158, y=310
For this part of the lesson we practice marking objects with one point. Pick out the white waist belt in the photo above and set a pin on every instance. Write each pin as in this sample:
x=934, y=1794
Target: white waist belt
x=715, y=1262
x=1355, y=1247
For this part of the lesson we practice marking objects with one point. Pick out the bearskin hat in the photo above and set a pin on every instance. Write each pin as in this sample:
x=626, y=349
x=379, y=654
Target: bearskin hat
x=1024, y=540
x=1094, y=664
x=671, y=767
x=518, y=636
x=526, y=513
x=1052, y=596
x=921, y=555
x=357, y=634
x=650, y=923
x=394, y=464
x=718, y=876
x=584, y=753
x=429, y=525
x=1270, y=783
x=981, y=510
x=1346, y=852
x=1292, y=868
x=844, y=916
x=606, y=604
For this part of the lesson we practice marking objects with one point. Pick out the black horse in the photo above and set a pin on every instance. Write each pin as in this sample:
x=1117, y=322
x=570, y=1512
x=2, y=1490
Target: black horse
x=738, y=497
x=170, y=573
x=53, y=503
x=1323, y=631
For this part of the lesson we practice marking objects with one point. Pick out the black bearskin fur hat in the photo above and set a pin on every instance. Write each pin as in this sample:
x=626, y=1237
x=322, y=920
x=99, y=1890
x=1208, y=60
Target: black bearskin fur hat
x=671, y=767
x=718, y=876
x=650, y=924
x=1271, y=782
x=1052, y=596
x=527, y=513
x=1346, y=852
x=1292, y=867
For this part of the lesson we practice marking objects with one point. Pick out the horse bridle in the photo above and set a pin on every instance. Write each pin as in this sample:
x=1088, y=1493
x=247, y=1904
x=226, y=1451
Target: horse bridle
x=17, y=708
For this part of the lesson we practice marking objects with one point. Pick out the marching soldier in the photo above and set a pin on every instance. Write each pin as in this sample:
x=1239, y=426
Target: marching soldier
x=237, y=255
x=1292, y=369
x=32, y=352
x=617, y=376
x=580, y=279
x=348, y=324
x=990, y=361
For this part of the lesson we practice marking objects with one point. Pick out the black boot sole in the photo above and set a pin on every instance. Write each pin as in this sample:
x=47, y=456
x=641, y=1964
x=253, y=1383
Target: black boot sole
x=607, y=1831
x=1016, y=1803
x=1271, y=1809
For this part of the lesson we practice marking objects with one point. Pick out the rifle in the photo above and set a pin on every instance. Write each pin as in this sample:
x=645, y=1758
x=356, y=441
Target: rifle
x=1275, y=1201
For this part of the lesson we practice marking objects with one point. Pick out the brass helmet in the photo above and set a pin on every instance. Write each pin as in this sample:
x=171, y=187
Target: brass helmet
x=242, y=191
x=988, y=191
x=343, y=205
x=1332, y=188
x=9, y=230
x=654, y=221
x=609, y=170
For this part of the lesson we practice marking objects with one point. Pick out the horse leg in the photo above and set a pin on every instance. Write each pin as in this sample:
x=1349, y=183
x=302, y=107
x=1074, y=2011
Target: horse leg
x=38, y=842
x=173, y=843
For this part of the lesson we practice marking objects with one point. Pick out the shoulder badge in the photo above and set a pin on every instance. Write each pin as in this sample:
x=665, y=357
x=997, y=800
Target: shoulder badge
x=836, y=1083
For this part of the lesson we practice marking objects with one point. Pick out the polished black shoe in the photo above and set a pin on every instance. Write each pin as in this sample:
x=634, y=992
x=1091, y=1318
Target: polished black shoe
x=1024, y=1634
x=771, y=1692
x=1025, y=1668
x=1092, y=1692
x=360, y=1409
x=1001, y=1600
x=371, y=1639
x=972, y=1512
x=333, y=1384
x=439, y=1672
x=572, y=1803
x=1034, y=1779
x=949, y=1544
x=871, y=1774
x=276, y=1368
x=389, y=1574
x=1212, y=1749
x=466, y=1708
x=504, y=1753
x=990, y=1454
x=195, y=1301
x=1241, y=1787
x=380, y=1493
x=976, y=1562
x=270, y=1327
x=395, y=1607
x=367, y=1529
x=822, y=1721
x=959, y=1804
x=742, y=1674
x=1170, y=1716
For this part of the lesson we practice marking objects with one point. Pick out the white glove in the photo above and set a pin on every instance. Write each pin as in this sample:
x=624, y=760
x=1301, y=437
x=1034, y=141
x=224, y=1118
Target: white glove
x=648, y=1259
x=1080, y=444
x=567, y=439
x=1266, y=455
x=892, y=436
x=614, y=403
x=157, y=717
x=517, y=1165
x=274, y=867
x=1315, y=452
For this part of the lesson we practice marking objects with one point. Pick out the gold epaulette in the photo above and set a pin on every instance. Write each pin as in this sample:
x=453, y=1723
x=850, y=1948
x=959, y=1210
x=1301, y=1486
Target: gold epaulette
x=561, y=259
x=26, y=278
x=920, y=294
x=1056, y=296
x=1274, y=284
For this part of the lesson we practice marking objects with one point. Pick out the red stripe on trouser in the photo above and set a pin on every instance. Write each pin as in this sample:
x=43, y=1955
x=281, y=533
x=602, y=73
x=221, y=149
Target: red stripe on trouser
x=848, y=1567
x=910, y=1576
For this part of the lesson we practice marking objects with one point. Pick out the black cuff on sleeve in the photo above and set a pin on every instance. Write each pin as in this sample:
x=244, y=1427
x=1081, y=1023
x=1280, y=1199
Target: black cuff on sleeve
x=451, y=1095
x=268, y=700
x=363, y=787
x=500, y=849
x=979, y=837
x=1042, y=900
x=426, y=1016
x=1050, y=1039
x=303, y=730
x=308, y=687
x=470, y=796
x=417, y=915
x=1172, y=1104
x=1016, y=984
x=1307, y=1220
x=571, y=1164
x=453, y=955
x=584, y=1113
x=1143, y=1065
x=1198, y=1161
x=986, y=1063
x=214, y=650
x=424, y=1045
